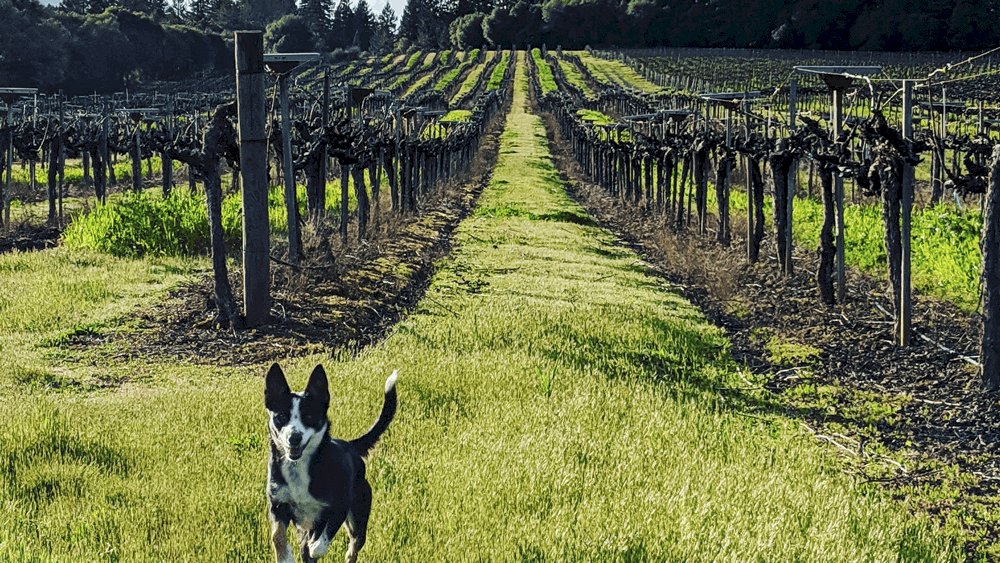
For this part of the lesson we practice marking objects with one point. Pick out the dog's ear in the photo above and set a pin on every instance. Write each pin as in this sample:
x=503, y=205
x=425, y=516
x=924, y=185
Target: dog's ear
x=318, y=389
x=277, y=394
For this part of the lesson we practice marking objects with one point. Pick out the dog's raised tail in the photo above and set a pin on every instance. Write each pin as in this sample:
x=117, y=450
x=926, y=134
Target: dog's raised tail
x=365, y=443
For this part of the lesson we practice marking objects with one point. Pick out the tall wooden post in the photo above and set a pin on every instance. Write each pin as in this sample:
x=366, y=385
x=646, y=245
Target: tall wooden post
x=137, y=161
x=192, y=184
x=167, y=166
x=253, y=170
x=345, y=179
x=905, y=307
x=105, y=157
x=751, y=242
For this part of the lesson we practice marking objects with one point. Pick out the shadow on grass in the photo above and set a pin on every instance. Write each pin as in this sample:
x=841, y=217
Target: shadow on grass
x=40, y=467
x=682, y=361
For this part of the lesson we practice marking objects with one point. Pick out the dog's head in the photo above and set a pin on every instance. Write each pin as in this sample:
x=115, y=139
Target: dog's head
x=297, y=421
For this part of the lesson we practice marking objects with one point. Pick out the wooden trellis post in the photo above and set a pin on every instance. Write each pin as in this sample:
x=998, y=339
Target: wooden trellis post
x=253, y=170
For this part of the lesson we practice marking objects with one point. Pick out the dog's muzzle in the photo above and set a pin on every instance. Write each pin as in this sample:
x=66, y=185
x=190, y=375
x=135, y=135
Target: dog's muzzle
x=295, y=447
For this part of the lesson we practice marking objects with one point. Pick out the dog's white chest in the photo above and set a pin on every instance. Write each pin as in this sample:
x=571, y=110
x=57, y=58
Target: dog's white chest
x=305, y=508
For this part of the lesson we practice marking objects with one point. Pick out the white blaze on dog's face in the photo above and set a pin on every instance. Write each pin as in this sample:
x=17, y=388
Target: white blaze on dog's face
x=297, y=422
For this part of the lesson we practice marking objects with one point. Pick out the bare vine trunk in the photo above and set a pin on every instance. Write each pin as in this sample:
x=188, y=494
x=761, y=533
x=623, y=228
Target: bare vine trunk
x=781, y=166
x=52, y=173
x=701, y=188
x=889, y=173
x=358, y=174
x=827, y=247
x=722, y=197
x=757, y=194
x=218, y=137
x=989, y=281
x=315, y=185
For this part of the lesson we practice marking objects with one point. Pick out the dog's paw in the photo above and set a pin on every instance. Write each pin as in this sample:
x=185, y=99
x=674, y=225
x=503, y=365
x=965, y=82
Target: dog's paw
x=319, y=544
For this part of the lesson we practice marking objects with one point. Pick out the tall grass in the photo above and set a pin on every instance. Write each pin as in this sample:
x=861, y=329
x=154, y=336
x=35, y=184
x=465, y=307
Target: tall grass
x=136, y=225
x=498, y=71
x=946, y=259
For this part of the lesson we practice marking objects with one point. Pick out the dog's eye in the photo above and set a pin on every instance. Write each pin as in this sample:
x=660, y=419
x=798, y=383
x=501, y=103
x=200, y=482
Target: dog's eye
x=280, y=419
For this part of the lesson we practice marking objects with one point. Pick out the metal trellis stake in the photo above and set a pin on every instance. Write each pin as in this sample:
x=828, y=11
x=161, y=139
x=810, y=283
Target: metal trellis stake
x=282, y=65
x=839, y=79
x=905, y=306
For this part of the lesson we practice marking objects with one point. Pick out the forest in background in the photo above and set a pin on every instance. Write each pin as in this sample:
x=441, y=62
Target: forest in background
x=84, y=46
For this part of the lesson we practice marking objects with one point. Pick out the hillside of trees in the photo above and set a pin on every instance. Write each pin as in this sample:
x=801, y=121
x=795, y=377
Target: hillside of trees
x=874, y=25
x=83, y=46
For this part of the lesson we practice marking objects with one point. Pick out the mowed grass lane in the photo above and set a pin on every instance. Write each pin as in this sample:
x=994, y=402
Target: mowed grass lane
x=556, y=404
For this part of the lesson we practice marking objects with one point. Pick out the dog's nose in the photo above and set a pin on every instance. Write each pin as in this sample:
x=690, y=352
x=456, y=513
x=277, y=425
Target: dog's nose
x=295, y=440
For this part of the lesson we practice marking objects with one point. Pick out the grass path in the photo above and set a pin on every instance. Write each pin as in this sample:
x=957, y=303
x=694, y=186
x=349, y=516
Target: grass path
x=556, y=404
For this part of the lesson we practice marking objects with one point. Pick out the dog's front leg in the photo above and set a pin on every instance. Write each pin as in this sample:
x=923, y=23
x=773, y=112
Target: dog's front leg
x=279, y=537
x=316, y=543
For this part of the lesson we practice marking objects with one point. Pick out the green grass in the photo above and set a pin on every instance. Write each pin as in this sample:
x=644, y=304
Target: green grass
x=450, y=77
x=49, y=294
x=616, y=72
x=419, y=84
x=945, y=258
x=456, y=115
x=498, y=71
x=414, y=58
x=135, y=225
x=73, y=172
x=472, y=78
x=545, y=78
x=574, y=77
x=557, y=403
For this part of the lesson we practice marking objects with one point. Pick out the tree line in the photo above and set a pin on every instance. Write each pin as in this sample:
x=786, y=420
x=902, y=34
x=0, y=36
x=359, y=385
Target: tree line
x=88, y=46
x=83, y=46
x=874, y=25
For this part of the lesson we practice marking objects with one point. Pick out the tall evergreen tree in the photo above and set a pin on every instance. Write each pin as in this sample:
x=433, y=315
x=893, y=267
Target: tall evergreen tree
x=342, y=27
x=423, y=25
x=317, y=13
x=972, y=25
x=385, y=30
x=364, y=25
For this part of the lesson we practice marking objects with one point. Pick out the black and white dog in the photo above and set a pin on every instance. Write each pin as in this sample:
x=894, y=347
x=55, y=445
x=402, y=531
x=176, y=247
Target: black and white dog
x=315, y=481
